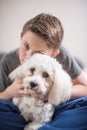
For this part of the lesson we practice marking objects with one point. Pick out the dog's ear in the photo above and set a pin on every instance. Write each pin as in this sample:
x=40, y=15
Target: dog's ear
x=17, y=73
x=61, y=90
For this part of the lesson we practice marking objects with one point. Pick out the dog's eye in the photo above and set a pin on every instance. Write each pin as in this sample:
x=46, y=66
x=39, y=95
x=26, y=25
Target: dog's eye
x=32, y=70
x=45, y=74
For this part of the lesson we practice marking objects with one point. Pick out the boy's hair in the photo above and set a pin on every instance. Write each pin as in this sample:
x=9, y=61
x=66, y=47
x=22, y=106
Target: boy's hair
x=48, y=27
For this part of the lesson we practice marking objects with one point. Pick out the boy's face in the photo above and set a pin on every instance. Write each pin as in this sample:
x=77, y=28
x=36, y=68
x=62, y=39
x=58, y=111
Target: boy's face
x=30, y=44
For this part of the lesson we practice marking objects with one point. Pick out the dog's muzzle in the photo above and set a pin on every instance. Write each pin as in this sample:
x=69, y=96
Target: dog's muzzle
x=34, y=83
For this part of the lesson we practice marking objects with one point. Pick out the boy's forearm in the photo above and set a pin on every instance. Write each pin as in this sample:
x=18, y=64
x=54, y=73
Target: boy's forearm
x=4, y=95
x=79, y=91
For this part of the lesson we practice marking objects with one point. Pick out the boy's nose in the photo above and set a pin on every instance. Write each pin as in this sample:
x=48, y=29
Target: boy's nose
x=29, y=54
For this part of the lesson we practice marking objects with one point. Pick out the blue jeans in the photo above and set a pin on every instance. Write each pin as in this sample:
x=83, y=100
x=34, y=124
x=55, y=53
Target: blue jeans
x=68, y=116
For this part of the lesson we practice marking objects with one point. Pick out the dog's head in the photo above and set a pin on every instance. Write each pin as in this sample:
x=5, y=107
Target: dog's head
x=44, y=76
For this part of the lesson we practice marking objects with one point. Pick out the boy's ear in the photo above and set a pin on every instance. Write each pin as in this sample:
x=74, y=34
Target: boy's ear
x=55, y=53
x=21, y=34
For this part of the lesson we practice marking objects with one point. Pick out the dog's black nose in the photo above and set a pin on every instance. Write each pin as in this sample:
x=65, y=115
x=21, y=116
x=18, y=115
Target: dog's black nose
x=33, y=84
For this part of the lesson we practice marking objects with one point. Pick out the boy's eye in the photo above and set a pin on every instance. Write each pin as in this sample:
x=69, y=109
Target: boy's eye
x=26, y=46
x=39, y=52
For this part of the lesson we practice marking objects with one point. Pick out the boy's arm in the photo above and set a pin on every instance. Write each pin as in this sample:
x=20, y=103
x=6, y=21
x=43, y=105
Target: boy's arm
x=79, y=77
x=16, y=89
x=80, y=86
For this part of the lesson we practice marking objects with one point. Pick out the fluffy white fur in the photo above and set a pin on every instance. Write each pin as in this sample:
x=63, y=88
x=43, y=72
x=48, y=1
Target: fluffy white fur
x=43, y=76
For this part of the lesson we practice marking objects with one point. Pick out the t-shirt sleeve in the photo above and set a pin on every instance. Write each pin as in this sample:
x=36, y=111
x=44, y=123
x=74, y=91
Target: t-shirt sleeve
x=69, y=63
x=4, y=80
x=7, y=64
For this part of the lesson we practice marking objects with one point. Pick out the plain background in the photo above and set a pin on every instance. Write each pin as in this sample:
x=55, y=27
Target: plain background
x=72, y=13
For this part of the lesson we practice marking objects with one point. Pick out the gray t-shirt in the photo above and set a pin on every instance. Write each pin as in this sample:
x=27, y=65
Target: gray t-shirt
x=7, y=64
x=11, y=60
x=69, y=63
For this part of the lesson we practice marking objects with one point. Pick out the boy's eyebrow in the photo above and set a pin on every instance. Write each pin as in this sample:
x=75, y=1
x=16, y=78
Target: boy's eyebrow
x=26, y=42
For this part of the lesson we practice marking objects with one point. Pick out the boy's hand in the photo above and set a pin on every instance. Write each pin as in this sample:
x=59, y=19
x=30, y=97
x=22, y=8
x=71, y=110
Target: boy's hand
x=16, y=89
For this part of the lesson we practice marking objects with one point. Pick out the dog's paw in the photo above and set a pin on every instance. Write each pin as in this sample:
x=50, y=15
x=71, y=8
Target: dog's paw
x=29, y=127
x=32, y=126
x=15, y=100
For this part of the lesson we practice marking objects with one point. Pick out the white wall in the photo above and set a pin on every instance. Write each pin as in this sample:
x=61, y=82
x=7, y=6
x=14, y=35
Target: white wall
x=72, y=13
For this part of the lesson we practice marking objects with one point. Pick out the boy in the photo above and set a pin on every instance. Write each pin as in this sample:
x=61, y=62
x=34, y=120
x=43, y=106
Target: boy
x=42, y=34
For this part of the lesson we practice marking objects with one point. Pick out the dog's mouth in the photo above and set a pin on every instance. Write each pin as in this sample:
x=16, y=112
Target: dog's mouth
x=35, y=86
x=34, y=89
x=34, y=83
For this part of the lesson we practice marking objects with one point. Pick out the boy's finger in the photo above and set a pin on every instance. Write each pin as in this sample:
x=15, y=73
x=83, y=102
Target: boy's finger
x=22, y=92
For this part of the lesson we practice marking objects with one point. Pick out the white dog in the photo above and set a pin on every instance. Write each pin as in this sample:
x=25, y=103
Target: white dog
x=44, y=77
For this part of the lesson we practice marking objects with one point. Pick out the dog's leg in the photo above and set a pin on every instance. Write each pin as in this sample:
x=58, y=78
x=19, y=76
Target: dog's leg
x=33, y=126
x=47, y=112
x=44, y=117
